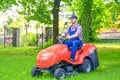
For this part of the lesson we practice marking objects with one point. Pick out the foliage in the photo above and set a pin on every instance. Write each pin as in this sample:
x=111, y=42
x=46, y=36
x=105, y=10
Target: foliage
x=28, y=40
x=103, y=15
x=39, y=10
x=47, y=44
x=86, y=19
x=19, y=23
x=76, y=6
x=98, y=18
x=6, y=4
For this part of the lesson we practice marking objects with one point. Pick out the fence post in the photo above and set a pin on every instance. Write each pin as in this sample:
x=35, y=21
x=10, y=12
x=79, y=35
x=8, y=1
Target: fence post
x=4, y=37
x=16, y=37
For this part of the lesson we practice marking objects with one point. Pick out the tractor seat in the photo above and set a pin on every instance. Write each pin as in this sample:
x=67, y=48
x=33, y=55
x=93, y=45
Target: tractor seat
x=70, y=48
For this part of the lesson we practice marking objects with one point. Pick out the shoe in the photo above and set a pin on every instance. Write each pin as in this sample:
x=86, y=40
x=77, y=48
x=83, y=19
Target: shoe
x=72, y=59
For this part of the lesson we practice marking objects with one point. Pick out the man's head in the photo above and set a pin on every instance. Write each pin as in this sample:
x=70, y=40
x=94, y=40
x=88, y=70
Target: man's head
x=73, y=19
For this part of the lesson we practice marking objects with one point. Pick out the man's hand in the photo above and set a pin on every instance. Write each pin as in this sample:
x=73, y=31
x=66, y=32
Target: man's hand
x=63, y=35
x=59, y=37
x=73, y=36
x=68, y=37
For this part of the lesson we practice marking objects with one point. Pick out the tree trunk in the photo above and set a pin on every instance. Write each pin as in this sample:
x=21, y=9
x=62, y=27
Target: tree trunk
x=55, y=20
x=26, y=28
x=86, y=19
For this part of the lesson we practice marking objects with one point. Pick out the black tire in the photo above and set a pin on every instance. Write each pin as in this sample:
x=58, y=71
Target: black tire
x=85, y=67
x=59, y=73
x=36, y=72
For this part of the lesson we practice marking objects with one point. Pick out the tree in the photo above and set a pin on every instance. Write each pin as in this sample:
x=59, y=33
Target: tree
x=86, y=19
x=55, y=19
x=38, y=10
x=98, y=18
x=5, y=4
x=56, y=9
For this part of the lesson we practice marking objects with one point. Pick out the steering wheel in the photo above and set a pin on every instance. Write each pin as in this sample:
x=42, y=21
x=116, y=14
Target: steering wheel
x=61, y=39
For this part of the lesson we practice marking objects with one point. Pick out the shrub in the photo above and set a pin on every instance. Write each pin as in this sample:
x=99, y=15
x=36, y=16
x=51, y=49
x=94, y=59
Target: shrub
x=28, y=39
x=47, y=44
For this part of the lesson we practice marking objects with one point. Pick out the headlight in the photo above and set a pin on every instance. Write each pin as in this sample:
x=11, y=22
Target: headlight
x=44, y=61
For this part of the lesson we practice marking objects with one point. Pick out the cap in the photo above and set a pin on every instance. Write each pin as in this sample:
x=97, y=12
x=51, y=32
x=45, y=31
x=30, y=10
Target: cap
x=73, y=17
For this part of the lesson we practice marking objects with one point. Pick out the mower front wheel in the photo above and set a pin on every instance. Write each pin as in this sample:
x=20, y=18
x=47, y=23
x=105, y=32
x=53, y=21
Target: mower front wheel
x=59, y=73
x=36, y=72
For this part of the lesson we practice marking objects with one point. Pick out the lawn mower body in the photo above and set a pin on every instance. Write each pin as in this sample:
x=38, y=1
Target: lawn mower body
x=56, y=59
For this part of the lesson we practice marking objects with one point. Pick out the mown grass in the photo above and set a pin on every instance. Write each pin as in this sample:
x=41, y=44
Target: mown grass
x=16, y=64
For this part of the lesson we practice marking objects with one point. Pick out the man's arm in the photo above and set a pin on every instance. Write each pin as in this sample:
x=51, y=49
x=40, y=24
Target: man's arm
x=79, y=32
x=74, y=36
x=66, y=32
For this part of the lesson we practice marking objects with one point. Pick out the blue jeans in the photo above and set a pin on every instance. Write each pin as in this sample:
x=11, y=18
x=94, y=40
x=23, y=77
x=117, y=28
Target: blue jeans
x=74, y=44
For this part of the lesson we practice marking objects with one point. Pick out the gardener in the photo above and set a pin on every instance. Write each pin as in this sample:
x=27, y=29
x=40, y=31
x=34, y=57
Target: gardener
x=74, y=36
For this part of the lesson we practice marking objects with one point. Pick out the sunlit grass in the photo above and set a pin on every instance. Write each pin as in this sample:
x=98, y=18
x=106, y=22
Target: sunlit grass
x=108, y=45
x=1, y=46
x=16, y=64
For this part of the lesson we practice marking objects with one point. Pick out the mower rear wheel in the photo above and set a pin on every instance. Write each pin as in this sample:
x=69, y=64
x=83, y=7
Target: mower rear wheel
x=36, y=72
x=59, y=73
x=85, y=67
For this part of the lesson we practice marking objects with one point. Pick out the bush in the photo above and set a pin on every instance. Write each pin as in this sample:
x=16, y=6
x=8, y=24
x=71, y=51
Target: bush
x=47, y=44
x=28, y=40
x=94, y=37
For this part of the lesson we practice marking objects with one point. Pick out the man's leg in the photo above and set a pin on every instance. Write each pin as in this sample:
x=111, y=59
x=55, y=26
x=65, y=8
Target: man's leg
x=75, y=45
x=68, y=43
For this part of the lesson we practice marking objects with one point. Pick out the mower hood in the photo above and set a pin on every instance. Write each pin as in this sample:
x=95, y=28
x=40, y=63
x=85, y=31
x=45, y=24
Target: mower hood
x=53, y=50
x=51, y=55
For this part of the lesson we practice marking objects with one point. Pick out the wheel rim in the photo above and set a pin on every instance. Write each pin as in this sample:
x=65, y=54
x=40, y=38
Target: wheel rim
x=87, y=67
x=62, y=75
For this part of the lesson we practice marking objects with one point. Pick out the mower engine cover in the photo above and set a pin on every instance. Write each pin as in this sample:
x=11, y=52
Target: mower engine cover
x=51, y=55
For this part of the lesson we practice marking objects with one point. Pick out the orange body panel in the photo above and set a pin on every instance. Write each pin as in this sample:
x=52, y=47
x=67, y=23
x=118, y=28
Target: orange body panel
x=59, y=52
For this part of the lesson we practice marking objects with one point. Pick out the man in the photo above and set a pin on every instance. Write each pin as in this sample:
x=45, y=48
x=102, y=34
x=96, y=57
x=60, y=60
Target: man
x=74, y=36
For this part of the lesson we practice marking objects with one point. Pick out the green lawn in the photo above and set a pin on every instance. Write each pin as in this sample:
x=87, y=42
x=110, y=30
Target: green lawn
x=16, y=64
